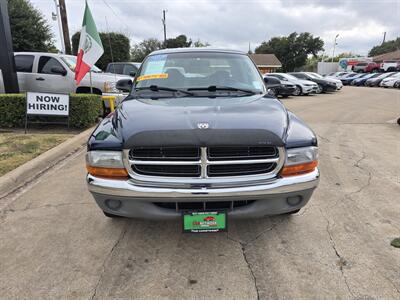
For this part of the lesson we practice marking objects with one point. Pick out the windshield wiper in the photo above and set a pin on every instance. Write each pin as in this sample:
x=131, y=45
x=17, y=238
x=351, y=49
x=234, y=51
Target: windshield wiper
x=214, y=88
x=156, y=88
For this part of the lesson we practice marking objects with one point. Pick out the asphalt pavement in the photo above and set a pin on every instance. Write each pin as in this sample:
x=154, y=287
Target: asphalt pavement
x=56, y=243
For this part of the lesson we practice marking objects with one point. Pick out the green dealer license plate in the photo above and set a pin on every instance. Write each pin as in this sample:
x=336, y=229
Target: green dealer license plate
x=204, y=221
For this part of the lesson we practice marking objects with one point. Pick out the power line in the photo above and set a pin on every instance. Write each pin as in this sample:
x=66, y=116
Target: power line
x=117, y=17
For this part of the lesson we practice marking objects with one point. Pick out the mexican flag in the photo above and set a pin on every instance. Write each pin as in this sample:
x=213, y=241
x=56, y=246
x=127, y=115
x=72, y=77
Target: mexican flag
x=90, y=46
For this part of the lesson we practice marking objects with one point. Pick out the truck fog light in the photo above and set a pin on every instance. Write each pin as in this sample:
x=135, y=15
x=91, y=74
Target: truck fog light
x=113, y=204
x=293, y=201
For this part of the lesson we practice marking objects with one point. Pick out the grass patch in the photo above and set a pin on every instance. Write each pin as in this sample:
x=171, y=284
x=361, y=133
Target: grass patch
x=396, y=243
x=16, y=148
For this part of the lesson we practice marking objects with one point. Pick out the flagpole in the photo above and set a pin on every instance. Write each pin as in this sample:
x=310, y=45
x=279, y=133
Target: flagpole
x=90, y=78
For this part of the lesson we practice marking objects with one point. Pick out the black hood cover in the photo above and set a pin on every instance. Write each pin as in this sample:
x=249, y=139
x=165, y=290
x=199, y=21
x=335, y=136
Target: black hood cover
x=250, y=120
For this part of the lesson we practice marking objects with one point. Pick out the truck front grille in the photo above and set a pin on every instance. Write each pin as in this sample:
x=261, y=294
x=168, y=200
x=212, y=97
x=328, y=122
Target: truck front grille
x=239, y=170
x=204, y=162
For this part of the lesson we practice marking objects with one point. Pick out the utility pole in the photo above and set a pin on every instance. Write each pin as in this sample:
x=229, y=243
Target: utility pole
x=57, y=15
x=334, y=47
x=165, y=27
x=7, y=62
x=64, y=23
x=384, y=37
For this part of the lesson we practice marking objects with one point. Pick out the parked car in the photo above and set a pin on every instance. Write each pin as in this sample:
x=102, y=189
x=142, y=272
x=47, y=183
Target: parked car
x=345, y=75
x=198, y=137
x=361, y=80
x=123, y=68
x=302, y=87
x=390, y=81
x=348, y=79
x=390, y=66
x=324, y=84
x=338, y=83
x=336, y=74
x=377, y=80
x=366, y=67
x=278, y=87
x=55, y=73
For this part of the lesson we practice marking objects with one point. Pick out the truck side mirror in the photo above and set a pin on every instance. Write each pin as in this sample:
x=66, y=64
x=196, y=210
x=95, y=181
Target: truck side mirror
x=124, y=85
x=265, y=79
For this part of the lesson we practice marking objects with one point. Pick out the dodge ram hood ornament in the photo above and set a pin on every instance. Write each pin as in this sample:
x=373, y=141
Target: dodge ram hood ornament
x=203, y=125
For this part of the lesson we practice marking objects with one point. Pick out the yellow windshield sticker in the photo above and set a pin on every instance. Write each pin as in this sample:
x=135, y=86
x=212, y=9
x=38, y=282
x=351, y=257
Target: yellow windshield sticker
x=152, y=76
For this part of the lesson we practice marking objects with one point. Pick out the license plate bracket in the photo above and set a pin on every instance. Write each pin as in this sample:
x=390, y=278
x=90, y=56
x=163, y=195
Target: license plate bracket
x=204, y=221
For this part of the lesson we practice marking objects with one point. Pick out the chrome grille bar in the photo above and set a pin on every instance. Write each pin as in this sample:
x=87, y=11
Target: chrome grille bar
x=204, y=161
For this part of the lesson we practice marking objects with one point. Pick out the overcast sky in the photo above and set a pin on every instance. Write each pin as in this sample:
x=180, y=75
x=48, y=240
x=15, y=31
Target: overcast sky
x=234, y=23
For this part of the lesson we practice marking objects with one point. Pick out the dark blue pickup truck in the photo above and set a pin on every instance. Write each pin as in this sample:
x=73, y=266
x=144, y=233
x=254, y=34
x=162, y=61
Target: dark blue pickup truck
x=199, y=132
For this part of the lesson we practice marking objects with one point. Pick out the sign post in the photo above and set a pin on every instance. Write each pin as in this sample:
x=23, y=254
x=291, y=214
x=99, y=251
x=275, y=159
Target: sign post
x=48, y=105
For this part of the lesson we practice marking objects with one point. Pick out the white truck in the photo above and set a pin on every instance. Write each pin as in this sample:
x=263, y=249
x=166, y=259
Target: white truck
x=55, y=73
x=390, y=66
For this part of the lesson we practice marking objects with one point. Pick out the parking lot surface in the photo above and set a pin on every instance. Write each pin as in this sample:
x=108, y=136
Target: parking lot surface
x=56, y=243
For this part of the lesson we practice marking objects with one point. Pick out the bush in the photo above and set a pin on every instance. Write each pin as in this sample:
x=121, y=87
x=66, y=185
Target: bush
x=83, y=110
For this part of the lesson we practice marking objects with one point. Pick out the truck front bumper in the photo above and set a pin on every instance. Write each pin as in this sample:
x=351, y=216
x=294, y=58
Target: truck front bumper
x=125, y=198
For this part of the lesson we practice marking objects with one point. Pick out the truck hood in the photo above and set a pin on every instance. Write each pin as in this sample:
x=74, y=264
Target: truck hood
x=249, y=120
x=103, y=77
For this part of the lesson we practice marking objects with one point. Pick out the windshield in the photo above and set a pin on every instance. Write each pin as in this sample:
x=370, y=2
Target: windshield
x=315, y=75
x=194, y=70
x=288, y=76
x=384, y=75
x=70, y=61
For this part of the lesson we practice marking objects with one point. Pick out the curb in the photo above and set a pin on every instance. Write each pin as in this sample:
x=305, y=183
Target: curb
x=30, y=170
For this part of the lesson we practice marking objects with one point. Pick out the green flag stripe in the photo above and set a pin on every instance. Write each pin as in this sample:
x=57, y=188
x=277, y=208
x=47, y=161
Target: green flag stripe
x=91, y=26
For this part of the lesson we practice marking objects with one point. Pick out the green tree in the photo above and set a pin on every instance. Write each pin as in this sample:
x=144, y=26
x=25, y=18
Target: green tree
x=30, y=30
x=141, y=50
x=292, y=50
x=117, y=42
x=181, y=41
x=385, y=47
x=199, y=44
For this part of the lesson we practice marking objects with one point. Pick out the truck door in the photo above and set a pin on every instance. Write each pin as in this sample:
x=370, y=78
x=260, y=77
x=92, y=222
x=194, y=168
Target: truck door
x=52, y=76
x=24, y=68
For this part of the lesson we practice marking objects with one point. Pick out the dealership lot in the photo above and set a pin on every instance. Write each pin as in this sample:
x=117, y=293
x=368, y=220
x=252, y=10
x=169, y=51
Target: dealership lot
x=56, y=243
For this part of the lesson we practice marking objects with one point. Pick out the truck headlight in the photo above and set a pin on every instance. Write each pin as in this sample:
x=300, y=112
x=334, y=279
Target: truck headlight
x=106, y=164
x=300, y=161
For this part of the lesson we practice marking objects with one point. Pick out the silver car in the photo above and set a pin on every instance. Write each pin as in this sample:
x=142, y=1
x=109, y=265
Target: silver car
x=303, y=87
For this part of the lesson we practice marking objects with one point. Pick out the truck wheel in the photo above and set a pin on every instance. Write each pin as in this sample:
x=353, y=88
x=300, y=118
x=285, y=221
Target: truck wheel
x=319, y=89
x=297, y=91
x=108, y=215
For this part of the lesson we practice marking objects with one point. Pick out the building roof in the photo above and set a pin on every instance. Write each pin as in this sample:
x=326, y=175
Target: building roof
x=395, y=55
x=266, y=60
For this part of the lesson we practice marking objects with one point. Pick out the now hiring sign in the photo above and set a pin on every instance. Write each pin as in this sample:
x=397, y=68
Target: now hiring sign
x=47, y=104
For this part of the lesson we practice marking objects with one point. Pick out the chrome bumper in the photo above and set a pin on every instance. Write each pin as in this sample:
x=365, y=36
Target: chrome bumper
x=127, y=188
